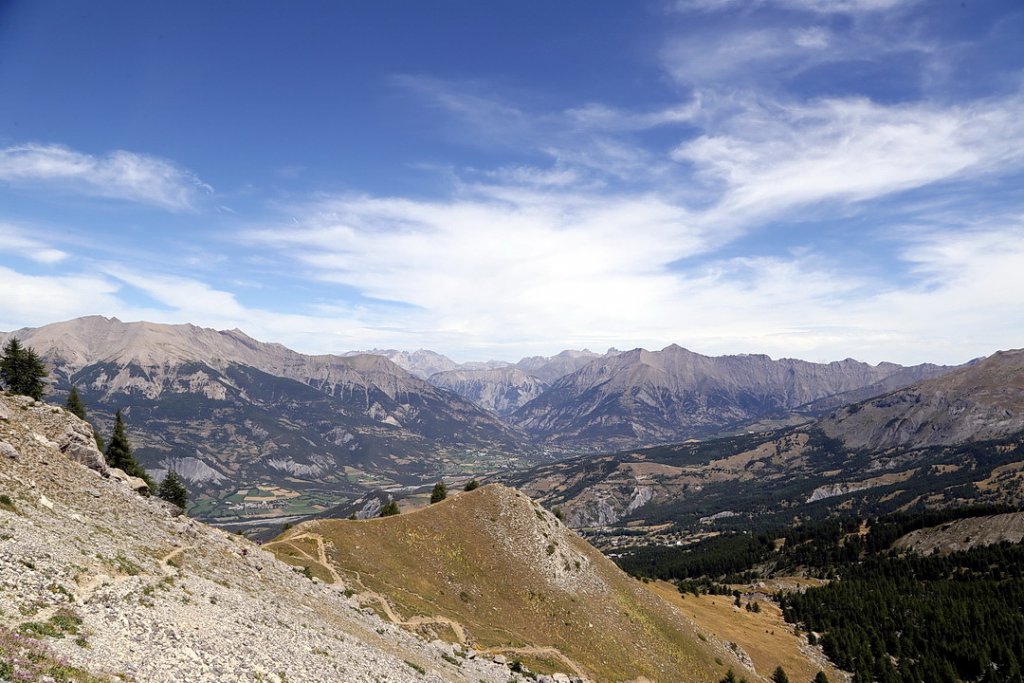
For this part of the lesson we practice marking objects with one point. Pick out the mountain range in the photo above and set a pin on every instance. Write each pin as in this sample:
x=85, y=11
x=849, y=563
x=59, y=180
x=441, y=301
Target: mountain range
x=104, y=585
x=957, y=439
x=232, y=414
x=483, y=587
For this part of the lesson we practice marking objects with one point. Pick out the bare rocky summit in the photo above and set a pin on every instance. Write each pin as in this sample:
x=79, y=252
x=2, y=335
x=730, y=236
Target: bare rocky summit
x=500, y=390
x=550, y=368
x=117, y=585
x=422, y=363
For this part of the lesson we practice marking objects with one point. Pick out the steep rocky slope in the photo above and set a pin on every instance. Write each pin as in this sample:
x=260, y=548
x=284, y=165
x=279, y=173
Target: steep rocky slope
x=115, y=585
x=500, y=390
x=984, y=400
x=644, y=397
x=493, y=569
x=963, y=534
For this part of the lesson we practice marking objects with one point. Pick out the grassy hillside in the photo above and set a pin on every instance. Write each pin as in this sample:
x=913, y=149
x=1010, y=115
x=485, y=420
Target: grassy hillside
x=492, y=568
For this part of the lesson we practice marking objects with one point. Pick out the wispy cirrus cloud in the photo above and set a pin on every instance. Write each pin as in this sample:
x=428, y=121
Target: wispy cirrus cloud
x=770, y=156
x=117, y=175
x=528, y=254
x=817, y=6
x=17, y=241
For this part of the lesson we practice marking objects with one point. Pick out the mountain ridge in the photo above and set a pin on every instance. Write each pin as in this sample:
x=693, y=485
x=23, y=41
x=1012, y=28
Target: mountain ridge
x=644, y=397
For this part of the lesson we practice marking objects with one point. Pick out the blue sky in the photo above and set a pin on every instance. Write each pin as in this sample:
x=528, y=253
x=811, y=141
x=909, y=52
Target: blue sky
x=817, y=179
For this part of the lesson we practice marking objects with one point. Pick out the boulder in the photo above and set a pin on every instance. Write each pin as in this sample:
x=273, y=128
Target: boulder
x=8, y=451
x=78, y=443
x=136, y=484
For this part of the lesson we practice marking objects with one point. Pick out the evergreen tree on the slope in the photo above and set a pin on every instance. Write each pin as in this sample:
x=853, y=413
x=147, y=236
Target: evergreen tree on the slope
x=74, y=404
x=389, y=509
x=780, y=675
x=439, y=493
x=119, y=453
x=472, y=485
x=173, y=490
x=21, y=370
x=820, y=678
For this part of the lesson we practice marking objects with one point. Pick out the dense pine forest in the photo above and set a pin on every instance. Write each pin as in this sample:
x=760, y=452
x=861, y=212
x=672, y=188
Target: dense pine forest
x=883, y=616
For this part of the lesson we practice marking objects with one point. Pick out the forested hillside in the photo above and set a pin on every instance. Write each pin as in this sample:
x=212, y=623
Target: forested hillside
x=885, y=615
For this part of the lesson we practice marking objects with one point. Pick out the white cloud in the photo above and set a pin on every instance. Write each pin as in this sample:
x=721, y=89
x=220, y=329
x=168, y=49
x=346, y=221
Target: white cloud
x=815, y=37
x=119, y=175
x=14, y=240
x=770, y=157
x=594, y=116
x=816, y=6
x=30, y=300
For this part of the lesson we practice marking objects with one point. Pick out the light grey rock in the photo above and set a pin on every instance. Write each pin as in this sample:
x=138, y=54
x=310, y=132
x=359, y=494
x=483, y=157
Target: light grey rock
x=8, y=451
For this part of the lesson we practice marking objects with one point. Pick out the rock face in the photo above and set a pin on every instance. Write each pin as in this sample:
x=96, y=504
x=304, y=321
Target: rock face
x=501, y=390
x=127, y=589
x=645, y=397
x=983, y=400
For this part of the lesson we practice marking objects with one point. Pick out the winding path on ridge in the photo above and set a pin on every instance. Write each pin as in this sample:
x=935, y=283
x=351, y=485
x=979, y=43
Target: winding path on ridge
x=540, y=652
x=367, y=595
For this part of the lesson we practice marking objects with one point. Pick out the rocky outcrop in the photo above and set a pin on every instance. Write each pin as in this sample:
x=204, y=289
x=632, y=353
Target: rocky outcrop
x=839, y=489
x=964, y=534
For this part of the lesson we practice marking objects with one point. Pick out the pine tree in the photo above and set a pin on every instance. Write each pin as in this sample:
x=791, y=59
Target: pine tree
x=820, y=678
x=390, y=508
x=74, y=404
x=173, y=490
x=471, y=485
x=21, y=370
x=439, y=493
x=730, y=677
x=780, y=675
x=119, y=453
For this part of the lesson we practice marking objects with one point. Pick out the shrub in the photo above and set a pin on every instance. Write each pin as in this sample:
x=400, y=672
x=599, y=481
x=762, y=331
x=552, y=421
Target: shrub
x=439, y=493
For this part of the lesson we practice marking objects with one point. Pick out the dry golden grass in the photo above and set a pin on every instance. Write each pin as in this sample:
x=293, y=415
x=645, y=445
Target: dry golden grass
x=763, y=635
x=516, y=581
